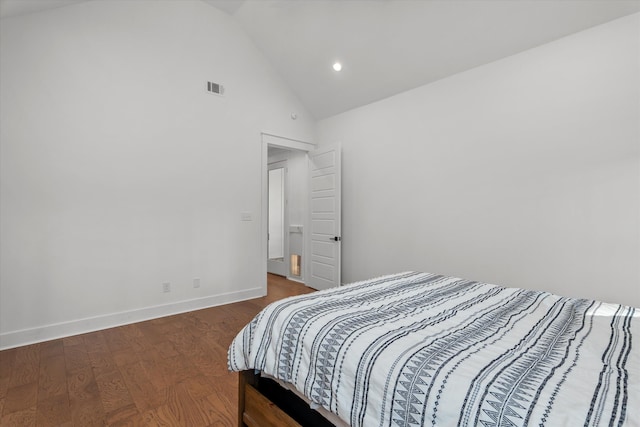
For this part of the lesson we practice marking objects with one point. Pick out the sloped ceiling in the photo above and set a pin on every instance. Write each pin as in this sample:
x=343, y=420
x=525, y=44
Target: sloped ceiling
x=389, y=46
x=20, y=7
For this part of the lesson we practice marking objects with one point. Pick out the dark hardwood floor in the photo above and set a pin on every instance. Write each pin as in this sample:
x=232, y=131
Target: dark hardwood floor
x=170, y=371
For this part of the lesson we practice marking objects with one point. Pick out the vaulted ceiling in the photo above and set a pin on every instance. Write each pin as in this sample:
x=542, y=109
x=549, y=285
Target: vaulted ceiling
x=389, y=46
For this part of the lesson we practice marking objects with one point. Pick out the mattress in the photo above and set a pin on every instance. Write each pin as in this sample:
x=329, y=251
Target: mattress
x=420, y=349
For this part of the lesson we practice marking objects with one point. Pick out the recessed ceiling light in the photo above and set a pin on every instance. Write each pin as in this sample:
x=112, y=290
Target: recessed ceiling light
x=337, y=66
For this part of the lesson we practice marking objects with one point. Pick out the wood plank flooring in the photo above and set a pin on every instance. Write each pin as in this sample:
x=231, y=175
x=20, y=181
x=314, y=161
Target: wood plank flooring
x=170, y=371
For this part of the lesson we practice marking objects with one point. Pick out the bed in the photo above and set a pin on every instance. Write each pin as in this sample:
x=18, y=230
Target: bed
x=420, y=349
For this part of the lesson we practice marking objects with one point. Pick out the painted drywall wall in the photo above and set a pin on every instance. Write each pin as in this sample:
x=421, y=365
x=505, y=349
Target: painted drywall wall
x=120, y=173
x=523, y=172
x=297, y=164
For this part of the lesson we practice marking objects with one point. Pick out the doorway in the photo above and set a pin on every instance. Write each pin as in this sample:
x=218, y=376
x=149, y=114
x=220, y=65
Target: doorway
x=286, y=158
x=312, y=241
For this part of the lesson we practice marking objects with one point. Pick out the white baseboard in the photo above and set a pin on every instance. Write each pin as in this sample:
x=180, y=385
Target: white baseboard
x=91, y=324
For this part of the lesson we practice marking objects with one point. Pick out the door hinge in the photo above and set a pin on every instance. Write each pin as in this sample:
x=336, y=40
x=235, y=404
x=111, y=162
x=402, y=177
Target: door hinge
x=337, y=238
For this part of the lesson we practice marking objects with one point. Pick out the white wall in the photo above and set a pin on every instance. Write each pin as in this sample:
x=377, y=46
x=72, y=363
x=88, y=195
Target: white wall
x=523, y=172
x=119, y=172
x=298, y=175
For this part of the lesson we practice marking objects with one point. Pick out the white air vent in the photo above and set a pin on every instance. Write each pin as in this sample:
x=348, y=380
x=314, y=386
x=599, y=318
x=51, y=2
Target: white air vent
x=215, y=88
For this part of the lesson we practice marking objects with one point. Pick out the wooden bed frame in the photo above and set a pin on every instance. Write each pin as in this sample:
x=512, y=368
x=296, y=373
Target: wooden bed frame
x=263, y=403
x=256, y=410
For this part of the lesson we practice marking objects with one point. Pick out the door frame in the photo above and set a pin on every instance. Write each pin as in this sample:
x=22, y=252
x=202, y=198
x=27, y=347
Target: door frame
x=267, y=140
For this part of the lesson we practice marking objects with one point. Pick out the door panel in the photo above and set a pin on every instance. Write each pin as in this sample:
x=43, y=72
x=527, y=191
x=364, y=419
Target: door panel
x=324, y=249
x=324, y=272
x=324, y=209
x=324, y=227
x=324, y=204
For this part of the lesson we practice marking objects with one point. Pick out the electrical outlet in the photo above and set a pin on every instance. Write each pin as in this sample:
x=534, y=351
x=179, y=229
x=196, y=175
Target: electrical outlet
x=196, y=282
x=166, y=287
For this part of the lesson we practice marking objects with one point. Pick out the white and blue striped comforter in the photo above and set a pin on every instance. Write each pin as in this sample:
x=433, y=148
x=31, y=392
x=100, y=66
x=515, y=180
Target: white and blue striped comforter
x=417, y=349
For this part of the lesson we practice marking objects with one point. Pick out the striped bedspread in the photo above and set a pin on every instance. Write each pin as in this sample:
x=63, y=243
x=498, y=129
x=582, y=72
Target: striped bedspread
x=417, y=349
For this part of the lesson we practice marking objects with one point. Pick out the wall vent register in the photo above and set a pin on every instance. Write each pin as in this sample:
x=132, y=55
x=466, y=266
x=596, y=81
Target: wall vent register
x=215, y=88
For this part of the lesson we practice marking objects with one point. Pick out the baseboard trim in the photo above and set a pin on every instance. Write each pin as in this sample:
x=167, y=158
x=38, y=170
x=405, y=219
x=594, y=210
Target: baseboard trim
x=81, y=326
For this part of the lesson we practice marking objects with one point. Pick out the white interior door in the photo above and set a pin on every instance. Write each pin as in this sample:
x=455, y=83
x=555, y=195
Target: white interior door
x=278, y=252
x=324, y=209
